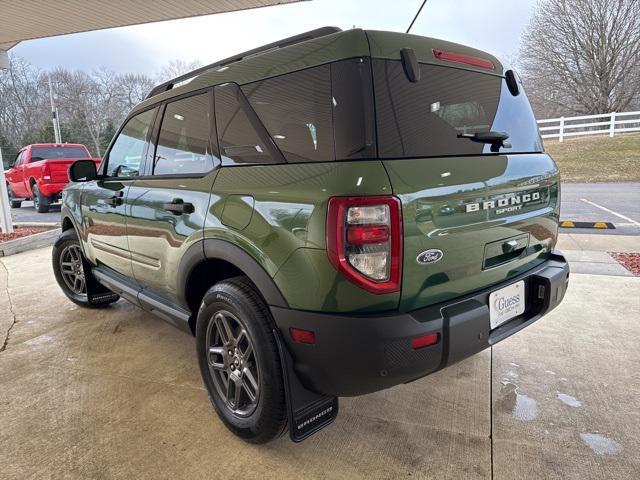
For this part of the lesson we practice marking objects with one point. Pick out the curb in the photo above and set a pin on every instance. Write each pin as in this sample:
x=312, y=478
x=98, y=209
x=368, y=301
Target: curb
x=36, y=224
x=38, y=240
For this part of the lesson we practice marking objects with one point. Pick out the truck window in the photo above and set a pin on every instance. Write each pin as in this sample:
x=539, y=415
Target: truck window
x=424, y=119
x=183, y=141
x=53, y=153
x=296, y=110
x=125, y=155
x=242, y=137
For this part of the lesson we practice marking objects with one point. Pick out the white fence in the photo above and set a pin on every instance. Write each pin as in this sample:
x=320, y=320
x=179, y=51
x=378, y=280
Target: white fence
x=606, y=123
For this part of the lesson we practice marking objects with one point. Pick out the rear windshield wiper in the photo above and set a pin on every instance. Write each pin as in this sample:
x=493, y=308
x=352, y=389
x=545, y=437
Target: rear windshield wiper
x=495, y=139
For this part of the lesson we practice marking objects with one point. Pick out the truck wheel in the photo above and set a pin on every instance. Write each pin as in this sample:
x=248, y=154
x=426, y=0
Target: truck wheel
x=239, y=361
x=14, y=203
x=40, y=202
x=73, y=272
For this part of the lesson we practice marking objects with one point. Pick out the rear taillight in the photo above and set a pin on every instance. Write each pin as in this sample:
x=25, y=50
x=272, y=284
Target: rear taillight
x=46, y=173
x=364, y=241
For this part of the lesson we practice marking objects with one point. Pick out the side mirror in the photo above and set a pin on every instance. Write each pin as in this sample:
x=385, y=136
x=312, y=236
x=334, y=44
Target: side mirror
x=83, y=171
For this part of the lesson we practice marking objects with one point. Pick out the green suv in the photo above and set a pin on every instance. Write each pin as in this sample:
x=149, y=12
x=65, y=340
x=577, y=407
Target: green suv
x=330, y=215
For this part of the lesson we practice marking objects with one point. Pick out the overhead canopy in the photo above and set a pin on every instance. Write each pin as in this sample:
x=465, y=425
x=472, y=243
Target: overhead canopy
x=30, y=19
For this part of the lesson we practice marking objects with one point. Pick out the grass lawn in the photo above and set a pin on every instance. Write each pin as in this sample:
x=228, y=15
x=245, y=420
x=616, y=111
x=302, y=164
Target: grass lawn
x=597, y=158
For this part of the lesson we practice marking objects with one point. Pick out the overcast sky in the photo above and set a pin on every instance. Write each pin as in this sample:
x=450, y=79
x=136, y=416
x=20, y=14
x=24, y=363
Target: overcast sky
x=492, y=25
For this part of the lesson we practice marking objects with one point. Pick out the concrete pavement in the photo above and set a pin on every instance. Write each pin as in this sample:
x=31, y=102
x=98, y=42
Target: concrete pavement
x=116, y=393
x=587, y=253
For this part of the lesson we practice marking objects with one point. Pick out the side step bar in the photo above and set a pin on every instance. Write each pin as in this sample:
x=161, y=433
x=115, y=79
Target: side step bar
x=119, y=285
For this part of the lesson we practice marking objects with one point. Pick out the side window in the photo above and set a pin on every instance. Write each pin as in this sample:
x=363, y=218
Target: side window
x=19, y=159
x=183, y=142
x=126, y=153
x=296, y=110
x=243, y=139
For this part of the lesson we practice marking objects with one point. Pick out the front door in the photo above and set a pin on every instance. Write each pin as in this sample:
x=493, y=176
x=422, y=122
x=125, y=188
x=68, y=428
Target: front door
x=105, y=201
x=169, y=204
x=15, y=177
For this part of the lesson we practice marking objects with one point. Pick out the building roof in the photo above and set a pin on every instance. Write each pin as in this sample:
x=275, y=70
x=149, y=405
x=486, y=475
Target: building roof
x=30, y=19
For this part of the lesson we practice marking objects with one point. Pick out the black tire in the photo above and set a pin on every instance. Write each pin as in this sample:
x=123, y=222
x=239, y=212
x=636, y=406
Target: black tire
x=41, y=202
x=266, y=419
x=65, y=243
x=14, y=203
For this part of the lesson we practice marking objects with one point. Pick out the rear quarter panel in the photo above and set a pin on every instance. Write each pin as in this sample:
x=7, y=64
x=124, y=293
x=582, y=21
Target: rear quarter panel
x=286, y=209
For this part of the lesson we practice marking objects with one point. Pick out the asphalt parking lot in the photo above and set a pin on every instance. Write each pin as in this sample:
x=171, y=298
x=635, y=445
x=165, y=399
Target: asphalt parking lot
x=617, y=203
x=116, y=393
x=27, y=214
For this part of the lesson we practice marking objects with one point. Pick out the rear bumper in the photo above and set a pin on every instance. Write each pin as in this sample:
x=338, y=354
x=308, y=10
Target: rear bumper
x=354, y=355
x=51, y=189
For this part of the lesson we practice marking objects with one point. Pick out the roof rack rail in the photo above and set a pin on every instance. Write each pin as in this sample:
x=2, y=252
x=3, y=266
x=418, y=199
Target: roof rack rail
x=285, y=42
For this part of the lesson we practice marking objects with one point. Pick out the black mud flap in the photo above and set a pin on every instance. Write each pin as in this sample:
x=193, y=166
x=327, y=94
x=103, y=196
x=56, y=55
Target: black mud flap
x=308, y=412
x=97, y=294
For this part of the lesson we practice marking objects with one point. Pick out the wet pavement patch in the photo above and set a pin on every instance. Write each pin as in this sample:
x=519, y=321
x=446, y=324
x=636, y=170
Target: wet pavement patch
x=600, y=444
x=568, y=400
x=521, y=407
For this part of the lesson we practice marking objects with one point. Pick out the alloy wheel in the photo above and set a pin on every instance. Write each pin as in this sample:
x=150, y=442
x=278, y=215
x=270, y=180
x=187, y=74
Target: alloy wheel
x=232, y=363
x=72, y=269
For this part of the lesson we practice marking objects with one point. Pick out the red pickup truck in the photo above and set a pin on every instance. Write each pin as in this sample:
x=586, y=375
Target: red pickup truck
x=39, y=173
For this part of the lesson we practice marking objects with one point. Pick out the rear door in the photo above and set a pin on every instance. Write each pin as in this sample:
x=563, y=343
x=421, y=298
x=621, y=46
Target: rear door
x=482, y=213
x=104, y=201
x=169, y=203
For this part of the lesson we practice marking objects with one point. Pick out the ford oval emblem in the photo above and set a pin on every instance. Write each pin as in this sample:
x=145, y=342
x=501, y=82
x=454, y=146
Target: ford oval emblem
x=429, y=256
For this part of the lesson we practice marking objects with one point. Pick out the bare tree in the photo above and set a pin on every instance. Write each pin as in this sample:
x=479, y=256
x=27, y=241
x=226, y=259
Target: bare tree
x=90, y=105
x=132, y=89
x=582, y=56
x=23, y=100
x=175, y=68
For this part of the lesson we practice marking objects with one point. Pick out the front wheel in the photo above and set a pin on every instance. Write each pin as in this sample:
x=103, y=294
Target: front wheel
x=73, y=273
x=239, y=361
x=15, y=203
x=40, y=202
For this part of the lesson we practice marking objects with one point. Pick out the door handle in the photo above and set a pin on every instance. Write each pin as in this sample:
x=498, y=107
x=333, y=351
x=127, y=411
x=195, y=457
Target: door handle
x=116, y=200
x=510, y=246
x=179, y=206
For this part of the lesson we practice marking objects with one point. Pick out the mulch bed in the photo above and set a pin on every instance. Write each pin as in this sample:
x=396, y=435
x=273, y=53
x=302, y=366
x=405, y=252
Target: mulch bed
x=22, y=232
x=630, y=261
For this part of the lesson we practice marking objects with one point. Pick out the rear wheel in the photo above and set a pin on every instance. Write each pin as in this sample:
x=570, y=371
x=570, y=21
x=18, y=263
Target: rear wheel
x=15, y=203
x=239, y=361
x=72, y=271
x=40, y=202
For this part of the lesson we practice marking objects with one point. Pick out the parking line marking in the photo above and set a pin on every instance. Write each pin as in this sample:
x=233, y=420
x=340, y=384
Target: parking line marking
x=611, y=212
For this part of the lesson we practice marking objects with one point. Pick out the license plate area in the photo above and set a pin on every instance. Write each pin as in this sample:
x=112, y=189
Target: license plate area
x=506, y=303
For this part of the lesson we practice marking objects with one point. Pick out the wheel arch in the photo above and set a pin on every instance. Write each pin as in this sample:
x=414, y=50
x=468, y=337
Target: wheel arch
x=210, y=261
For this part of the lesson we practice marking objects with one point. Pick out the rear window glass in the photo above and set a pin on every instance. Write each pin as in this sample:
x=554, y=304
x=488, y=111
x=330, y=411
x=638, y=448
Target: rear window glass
x=427, y=117
x=51, y=153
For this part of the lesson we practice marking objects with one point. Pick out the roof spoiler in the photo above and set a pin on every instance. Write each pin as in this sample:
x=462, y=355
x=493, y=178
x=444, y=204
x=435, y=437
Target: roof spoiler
x=302, y=37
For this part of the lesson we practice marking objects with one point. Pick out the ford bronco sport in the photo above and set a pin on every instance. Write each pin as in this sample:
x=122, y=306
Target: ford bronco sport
x=330, y=215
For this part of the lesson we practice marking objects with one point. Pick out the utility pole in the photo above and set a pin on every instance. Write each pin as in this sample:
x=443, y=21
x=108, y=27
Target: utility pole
x=6, y=224
x=54, y=115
